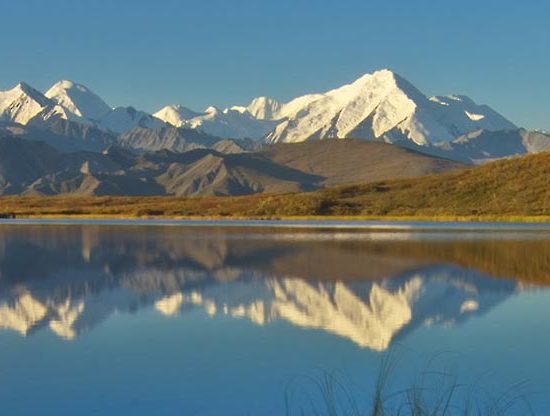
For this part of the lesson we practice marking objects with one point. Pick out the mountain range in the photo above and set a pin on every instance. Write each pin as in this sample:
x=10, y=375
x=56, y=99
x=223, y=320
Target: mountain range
x=36, y=168
x=378, y=107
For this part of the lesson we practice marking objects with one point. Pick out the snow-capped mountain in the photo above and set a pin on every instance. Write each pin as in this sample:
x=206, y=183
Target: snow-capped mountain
x=78, y=99
x=231, y=124
x=228, y=123
x=70, y=101
x=122, y=119
x=266, y=108
x=176, y=115
x=22, y=103
x=262, y=108
x=455, y=107
x=484, y=145
x=382, y=106
x=25, y=105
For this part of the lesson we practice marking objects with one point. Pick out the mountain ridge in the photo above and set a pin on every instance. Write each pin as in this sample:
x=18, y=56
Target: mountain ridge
x=30, y=167
x=382, y=106
x=78, y=99
x=81, y=102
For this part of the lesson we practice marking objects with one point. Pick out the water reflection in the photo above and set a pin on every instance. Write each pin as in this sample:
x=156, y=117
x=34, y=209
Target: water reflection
x=371, y=291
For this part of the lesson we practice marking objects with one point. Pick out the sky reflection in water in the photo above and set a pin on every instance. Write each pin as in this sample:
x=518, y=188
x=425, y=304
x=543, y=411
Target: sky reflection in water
x=185, y=320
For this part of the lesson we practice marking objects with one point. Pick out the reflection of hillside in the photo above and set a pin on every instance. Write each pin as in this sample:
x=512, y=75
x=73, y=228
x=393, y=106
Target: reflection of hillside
x=527, y=260
x=280, y=253
x=370, y=292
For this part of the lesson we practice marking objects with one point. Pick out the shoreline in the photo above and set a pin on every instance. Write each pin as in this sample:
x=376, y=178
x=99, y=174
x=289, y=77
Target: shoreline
x=399, y=224
x=390, y=218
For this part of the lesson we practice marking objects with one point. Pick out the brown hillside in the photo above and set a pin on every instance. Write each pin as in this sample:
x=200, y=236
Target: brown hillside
x=513, y=187
x=354, y=161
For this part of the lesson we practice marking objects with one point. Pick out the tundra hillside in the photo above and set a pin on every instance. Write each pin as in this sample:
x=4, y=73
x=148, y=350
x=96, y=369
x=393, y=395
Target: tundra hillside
x=517, y=188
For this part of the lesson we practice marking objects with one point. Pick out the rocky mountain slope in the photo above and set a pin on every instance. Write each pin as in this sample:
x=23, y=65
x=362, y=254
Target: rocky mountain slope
x=35, y=168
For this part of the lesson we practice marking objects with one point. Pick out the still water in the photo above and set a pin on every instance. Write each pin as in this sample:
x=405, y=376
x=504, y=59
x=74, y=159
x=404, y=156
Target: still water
x=124, y=319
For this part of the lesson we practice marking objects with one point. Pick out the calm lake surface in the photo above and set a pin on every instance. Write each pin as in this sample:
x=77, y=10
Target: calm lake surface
x=187, y=318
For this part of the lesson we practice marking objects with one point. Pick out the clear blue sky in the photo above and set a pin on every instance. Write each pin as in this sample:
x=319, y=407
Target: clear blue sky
x=225, y=52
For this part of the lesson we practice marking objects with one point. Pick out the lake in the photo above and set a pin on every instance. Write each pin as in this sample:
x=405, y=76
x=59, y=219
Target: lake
x=269, y=318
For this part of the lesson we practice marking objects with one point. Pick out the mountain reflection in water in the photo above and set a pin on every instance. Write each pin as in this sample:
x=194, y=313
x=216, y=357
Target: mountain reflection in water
x=369, y=290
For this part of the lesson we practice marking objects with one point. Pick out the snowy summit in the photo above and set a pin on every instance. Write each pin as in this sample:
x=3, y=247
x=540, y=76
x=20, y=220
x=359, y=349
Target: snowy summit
x=379, y=106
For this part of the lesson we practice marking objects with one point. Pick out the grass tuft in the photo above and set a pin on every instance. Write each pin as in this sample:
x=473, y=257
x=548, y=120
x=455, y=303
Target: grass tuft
x=435, y=393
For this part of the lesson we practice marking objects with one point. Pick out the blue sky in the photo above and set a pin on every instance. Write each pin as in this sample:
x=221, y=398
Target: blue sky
x=225, y=52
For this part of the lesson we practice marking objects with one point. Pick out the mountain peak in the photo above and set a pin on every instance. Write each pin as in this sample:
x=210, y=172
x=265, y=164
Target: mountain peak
x=382, y=75
x=22, y=103
x=78, y=99
x=212, y=110
x=66, y=84
x=459, y=109
x=264, y=100
x=175, y=114
x=23, y=86
x=381, y=105
x=26, y=89
x=264, y=108
x=457, y=98
x=388, y=80
x=123, y=119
